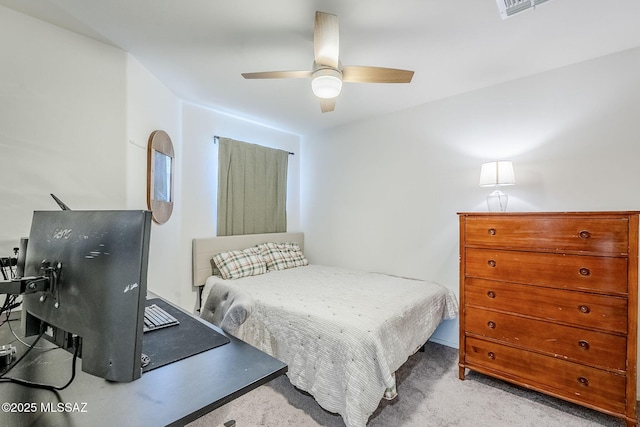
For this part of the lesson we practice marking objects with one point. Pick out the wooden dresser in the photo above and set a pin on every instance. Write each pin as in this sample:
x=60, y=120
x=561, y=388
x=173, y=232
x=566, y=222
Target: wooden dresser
x=549, y=301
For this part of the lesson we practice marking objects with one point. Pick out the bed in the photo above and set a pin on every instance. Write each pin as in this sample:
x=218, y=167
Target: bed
x=343, y=333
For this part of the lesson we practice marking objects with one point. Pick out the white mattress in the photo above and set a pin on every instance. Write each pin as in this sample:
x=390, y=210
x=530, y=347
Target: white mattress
x=342, y=333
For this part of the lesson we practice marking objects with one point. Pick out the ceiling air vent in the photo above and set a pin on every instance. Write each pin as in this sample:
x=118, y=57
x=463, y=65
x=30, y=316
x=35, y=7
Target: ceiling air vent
x=509, y=8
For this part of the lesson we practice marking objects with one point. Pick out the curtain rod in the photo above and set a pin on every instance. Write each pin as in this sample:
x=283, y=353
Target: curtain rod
x=215, y=141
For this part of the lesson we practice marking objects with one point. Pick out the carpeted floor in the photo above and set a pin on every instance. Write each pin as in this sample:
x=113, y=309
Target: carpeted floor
x=429, y=394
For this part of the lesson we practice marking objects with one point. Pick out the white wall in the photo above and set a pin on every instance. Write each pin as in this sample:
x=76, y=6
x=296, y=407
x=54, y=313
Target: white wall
x=383, y=194
x=151, y=106
x=200, y=125
x=62, y=123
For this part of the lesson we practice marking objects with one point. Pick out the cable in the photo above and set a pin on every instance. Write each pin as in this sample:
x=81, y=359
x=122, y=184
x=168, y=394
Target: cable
x=38, y=385
x=15, y=335
x=10, y=306
x=22, y=357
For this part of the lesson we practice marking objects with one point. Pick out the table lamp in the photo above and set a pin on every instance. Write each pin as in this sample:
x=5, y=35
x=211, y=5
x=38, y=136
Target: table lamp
x=496, y=174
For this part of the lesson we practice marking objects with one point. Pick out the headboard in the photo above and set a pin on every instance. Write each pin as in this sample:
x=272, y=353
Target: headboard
x=205, y=248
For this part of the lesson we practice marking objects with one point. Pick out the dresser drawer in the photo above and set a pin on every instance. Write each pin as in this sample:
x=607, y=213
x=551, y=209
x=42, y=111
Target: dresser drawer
x=580, y=309
x=549, y=233
x=590, y=273
x=560, y=377
x=598, y=349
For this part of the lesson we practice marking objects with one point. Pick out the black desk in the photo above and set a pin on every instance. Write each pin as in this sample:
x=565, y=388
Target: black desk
x=174, y=394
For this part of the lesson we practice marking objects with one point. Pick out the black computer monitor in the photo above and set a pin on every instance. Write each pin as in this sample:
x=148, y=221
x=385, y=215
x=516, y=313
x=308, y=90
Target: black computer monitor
x=97, y=265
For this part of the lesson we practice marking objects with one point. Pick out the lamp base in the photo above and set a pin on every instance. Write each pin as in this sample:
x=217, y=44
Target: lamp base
x=497, y=201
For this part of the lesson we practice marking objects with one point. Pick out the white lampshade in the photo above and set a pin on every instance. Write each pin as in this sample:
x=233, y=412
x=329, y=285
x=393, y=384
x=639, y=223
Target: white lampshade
x=497, y=173
x=326, y=83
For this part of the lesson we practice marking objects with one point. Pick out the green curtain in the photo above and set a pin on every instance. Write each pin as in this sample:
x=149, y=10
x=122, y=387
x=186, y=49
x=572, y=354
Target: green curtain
x=252, y=188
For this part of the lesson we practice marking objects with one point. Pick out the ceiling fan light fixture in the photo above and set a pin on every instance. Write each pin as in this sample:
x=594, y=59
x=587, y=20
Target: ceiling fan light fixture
x=326, y=83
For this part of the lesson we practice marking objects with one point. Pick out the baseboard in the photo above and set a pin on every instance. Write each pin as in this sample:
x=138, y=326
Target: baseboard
x=448, y=343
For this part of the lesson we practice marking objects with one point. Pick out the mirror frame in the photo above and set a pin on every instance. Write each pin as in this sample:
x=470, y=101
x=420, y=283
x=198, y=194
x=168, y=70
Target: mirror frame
x=159, y=142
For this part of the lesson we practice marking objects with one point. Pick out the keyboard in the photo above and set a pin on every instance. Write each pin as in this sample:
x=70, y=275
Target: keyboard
x=157, y=318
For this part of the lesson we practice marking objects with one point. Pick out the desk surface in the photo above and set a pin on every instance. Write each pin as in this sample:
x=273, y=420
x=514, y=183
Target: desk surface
x=174, y=394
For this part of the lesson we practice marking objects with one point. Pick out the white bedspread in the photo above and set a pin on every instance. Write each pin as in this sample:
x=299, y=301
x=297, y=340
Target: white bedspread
x=343, y=333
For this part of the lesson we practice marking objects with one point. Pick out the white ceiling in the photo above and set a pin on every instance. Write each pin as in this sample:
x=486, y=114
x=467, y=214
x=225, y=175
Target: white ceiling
x=198, y=48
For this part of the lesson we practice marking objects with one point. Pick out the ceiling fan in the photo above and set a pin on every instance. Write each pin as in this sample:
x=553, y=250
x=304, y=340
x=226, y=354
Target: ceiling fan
x=328, y=74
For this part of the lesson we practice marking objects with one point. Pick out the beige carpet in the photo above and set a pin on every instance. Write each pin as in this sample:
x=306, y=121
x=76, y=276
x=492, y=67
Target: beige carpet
x=429, y=394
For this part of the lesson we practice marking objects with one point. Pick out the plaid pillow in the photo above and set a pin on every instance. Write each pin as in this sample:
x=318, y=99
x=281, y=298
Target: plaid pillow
x=280, y=256
x=236, y=264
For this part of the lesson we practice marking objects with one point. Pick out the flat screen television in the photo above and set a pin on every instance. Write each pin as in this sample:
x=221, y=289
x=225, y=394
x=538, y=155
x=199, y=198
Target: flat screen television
x=97, y=265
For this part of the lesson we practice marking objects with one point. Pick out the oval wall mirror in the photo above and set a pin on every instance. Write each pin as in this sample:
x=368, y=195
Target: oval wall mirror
x=160, y=164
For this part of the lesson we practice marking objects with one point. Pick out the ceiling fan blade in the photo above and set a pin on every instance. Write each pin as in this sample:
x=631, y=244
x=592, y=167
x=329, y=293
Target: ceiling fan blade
x=277, y=75
x=327, y=104
x=360, y=74
x=326, y=40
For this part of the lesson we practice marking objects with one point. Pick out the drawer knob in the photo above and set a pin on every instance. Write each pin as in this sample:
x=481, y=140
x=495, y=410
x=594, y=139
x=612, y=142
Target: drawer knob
x=491, y=324
x=491, y=262
x=583, y=381
x=492, y=231
x=583, y=344
x=584, y=234
x=584, y=271
x=584, y=309
x=491, y=355
x=491, y=294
